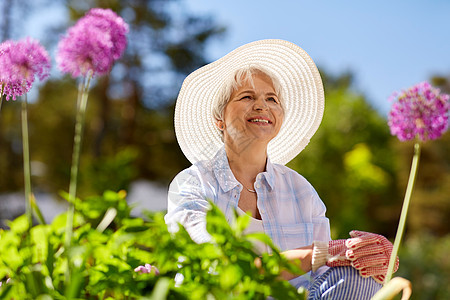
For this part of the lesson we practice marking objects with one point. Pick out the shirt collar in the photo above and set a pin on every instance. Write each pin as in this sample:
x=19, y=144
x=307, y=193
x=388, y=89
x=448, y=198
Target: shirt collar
x=269, y=174
x=226, y=178
x=222, y=171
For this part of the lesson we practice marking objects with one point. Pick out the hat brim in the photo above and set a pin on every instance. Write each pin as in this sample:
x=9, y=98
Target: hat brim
x=303, y=98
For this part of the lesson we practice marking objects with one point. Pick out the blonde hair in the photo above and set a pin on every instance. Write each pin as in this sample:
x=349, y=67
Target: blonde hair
x=232, y=83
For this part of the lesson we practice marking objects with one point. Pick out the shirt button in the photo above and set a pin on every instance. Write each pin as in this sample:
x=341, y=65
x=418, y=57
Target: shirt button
x=258, y=177
x=258, y=185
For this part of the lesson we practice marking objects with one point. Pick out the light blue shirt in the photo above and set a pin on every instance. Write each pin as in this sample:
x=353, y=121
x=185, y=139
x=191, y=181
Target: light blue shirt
x=292, y=215
x=291, y=211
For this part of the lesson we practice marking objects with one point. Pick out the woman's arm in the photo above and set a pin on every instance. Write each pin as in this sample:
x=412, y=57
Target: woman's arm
x=301, y=257
x=187, y=205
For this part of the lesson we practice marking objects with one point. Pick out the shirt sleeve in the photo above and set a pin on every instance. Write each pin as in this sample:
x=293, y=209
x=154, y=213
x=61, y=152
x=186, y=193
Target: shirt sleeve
x=320, y=221
x=187, y=205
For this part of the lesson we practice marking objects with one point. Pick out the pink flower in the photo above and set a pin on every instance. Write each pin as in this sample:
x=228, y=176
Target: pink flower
x=147, y=269
x=93, y=43
x=420, y=111
x=20, y=62
x=107, y=20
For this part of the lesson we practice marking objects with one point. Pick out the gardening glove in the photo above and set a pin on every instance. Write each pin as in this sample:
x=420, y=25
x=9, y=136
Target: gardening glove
x=367, y=252
x=371, y=256
x=336, y=253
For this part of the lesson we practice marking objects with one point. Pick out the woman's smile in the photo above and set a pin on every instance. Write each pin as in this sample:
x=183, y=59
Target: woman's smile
x=260, y=120
x=254, y=112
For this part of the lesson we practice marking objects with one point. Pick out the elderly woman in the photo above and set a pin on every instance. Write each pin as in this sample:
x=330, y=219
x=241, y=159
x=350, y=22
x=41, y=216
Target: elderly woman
x=239, y=120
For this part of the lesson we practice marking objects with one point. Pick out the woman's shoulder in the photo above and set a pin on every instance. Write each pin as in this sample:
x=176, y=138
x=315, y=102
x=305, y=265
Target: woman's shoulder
x=198, y=170
x=198, y=177
x=299, y=184
x=286, y=171
x=291, y=178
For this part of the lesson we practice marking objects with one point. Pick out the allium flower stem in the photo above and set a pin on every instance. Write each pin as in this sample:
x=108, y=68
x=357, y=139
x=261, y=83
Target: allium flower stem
x=404, y=213
x=26, y=160
x=1, y=96
x=79, y=129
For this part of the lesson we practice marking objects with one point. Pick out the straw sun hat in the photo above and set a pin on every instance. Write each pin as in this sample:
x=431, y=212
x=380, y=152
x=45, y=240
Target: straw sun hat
x=303, y=99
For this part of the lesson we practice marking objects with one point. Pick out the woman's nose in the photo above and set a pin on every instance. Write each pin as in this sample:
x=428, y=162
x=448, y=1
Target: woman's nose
x=260, y=104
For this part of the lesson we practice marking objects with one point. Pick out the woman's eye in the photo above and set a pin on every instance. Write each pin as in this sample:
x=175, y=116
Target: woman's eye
x=272, y=99
x=246, y=97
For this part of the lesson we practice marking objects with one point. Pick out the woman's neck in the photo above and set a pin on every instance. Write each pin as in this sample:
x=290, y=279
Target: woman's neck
x=247, y=162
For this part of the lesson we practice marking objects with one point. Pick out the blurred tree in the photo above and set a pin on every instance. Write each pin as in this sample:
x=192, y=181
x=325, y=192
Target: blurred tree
x=350, y=162
x=425, y=262
x=430, y=202
x=11, y=13
x=129, y=123
x=11, y=24
x=165, y=44
x=11, y=174
x=6, y=21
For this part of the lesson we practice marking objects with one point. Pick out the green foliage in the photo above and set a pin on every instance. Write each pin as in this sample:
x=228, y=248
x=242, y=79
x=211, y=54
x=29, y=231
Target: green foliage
x=105, y=252
x=362, y=173
x=430, y=201
x=424, y=260
x=114, y=172
x=129, y=108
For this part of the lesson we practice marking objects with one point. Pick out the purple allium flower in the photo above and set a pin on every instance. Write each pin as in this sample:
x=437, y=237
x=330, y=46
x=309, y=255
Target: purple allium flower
x=93, y=43
x=20, y=62
x=420, y=111
x=107, y=20
x=4, y=66
x=147, y=269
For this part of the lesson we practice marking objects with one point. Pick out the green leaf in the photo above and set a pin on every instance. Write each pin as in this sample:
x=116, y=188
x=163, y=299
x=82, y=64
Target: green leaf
x=161, y=289
x=136, y=228
x=261, y=237
x=74, y=289
x=230, y=276
x=39, y=237
x=241, y=223
x=217, y=225
x=37, y=210
x=19, y=225
x=50, y=257
x=5, y=290
x=44, y=297
x=34, y=280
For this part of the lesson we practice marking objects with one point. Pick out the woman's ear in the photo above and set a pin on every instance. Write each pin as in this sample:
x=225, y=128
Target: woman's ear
x=220, y=125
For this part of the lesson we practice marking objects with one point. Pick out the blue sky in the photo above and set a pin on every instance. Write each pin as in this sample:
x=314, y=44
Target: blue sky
x=388, y=45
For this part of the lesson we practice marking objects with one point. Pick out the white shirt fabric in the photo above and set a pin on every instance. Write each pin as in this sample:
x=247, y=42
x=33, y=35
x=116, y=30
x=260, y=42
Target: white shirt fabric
x=255, y=226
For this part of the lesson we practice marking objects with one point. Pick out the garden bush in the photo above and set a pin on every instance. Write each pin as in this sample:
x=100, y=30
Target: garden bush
x=108, y=245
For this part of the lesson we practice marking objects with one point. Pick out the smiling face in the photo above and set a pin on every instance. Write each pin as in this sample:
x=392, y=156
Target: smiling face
x=253, y=113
